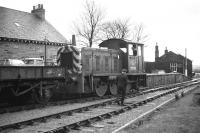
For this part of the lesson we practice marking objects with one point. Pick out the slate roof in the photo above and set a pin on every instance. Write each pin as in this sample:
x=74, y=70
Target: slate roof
x=171, y=56
x=24, y=25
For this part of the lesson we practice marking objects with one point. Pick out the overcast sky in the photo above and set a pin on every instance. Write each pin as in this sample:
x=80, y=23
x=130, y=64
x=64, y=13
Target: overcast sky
x=174, y=24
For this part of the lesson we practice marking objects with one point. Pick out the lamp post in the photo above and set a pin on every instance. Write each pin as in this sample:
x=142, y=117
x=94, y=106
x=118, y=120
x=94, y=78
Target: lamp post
x=45, y=52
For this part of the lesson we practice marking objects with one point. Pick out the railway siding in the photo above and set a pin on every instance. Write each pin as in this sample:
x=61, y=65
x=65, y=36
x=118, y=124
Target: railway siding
x=114, y=125
x=15, y=117
x=10, y=109
x=97, y=113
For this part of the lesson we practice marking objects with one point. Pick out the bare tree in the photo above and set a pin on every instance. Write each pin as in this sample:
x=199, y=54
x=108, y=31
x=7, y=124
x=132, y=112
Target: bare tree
x=116, y=29
x=91, y=21
x=138, y=33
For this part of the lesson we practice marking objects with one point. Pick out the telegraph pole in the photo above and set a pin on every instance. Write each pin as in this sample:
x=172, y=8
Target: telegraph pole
x=186, y=74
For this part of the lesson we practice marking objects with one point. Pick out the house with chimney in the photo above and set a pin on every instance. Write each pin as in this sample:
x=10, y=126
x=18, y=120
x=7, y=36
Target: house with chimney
x=169, y=62
x=24, y=34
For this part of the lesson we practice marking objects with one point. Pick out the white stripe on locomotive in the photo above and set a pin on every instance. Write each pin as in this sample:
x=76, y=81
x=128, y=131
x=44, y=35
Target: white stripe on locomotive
x=77, y=65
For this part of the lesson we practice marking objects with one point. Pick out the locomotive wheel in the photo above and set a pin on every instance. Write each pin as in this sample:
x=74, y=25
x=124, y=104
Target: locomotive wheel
x=42, y=99
x=113, y=88
x=101, y=89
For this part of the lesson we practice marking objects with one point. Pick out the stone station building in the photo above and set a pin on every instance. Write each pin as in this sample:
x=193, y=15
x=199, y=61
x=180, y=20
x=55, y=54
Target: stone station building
x=24, y=34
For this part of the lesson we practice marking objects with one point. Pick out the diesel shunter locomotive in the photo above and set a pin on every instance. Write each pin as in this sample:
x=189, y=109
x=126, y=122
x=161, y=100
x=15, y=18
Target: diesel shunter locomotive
x=95, y=69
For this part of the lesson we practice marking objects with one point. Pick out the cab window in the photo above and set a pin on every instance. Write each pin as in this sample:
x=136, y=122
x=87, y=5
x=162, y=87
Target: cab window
x=132, y=49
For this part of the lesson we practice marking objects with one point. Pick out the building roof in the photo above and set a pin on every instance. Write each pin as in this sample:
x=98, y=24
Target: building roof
x=119, y=43
x=116, y=43
x=170, y=56
x=24, y=25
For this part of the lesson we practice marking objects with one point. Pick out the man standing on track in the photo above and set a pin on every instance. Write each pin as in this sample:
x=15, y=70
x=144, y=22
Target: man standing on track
x=121, y=86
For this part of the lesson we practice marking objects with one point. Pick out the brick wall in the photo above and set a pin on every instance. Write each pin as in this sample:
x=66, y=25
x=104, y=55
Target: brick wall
x=21, y=50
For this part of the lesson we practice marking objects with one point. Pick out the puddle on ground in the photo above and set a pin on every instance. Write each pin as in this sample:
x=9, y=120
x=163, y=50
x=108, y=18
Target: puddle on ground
x=98, y=125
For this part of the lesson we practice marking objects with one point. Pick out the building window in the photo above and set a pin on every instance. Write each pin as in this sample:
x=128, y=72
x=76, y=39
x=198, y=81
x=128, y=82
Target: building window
x=173, y=67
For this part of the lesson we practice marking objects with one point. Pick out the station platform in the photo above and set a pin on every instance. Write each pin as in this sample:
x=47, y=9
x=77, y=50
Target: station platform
x=181, y=116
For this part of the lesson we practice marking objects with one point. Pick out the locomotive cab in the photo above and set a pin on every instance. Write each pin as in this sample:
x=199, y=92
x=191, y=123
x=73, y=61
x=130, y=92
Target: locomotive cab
x=135, y=58
x=130, y=54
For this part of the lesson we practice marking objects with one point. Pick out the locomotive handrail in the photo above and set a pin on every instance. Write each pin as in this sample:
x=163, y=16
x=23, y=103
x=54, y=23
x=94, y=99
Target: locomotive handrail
x=115, y=74
x=33, y=79
x=155, y=74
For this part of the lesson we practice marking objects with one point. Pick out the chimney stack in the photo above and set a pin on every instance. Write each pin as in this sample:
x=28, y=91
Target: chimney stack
x=39, y=11
x=73, y=40
x=156, y=52
x=166, y=51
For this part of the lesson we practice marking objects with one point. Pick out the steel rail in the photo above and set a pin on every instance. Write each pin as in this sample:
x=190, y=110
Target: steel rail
x=86, y=108
x=144, y=115
x=35, y=106
x=88, y=122
x=11, y=109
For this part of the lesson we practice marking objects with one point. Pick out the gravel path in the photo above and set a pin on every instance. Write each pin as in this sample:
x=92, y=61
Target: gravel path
x=182, y=116
x=35, y=113
x=109, y=125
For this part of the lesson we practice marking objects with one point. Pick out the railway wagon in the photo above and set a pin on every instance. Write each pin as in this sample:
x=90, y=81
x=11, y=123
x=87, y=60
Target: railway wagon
x=153, y=80
x=21, y=82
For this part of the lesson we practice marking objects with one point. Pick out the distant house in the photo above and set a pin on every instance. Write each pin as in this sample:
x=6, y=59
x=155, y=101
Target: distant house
x=169, y=62
x=24, y=34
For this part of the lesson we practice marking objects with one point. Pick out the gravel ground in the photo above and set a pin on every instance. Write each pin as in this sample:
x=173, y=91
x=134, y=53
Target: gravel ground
x=109, y=125
x=14, y=117
x=35, y=113
x=182, y=116
x=55, y=123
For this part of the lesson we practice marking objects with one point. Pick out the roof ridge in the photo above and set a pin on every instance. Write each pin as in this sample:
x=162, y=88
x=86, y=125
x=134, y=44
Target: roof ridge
x=32, y=41
x=55, y=29
x=15, y=10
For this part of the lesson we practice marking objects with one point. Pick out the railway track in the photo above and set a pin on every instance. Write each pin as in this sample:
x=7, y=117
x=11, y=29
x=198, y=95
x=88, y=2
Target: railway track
x=7, y=108
x=103, y=110
x=10, y=108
